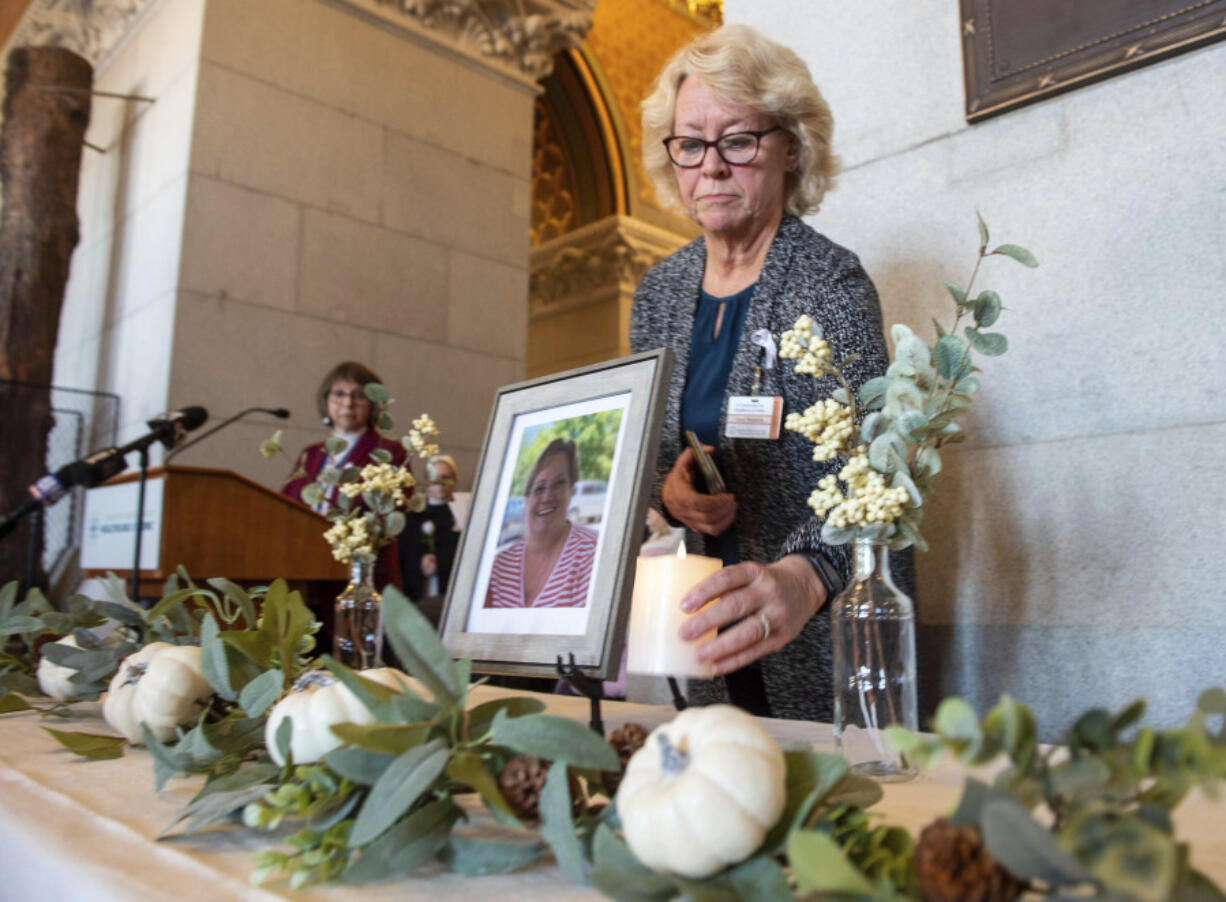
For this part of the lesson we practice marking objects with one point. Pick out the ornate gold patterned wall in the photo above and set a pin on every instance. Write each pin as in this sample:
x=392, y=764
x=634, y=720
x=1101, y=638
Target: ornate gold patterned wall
x=631, y=40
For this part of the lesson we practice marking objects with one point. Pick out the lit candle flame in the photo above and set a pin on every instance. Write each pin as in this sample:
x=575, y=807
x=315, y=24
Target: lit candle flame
x=681, y=552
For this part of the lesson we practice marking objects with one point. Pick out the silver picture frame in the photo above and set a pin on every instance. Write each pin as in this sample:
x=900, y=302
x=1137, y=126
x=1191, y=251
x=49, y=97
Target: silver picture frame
x=622, y=403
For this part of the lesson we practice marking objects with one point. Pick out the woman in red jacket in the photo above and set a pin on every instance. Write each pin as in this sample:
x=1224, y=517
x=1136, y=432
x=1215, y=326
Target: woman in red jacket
x=343, y=404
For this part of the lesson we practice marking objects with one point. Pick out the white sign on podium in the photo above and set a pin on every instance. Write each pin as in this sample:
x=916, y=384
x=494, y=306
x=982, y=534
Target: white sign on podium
x=109, y=535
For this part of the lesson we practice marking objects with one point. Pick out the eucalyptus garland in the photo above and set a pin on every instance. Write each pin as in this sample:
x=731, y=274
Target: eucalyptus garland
x=1090, y=818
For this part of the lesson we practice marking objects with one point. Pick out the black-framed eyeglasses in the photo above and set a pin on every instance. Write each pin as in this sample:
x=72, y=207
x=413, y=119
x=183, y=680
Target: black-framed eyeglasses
x=735, y=149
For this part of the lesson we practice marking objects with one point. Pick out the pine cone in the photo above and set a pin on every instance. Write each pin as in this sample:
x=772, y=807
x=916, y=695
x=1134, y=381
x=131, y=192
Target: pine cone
x=953, y=865
x=626, y=741
x=522, y=780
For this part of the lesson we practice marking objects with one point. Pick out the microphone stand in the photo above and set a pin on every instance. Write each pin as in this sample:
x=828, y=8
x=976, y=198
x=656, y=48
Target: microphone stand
x=278, y=413
x=140, y=520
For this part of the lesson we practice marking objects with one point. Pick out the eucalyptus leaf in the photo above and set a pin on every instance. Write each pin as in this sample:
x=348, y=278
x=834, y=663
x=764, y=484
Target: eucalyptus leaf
x=557, y=825
x=11, y=703
x=555, y=738
x=853, y=789
x=837, y=535
x=872, y=426
x=359, y=765
x=349, y=475
x=957, y=724
x=987, y=308
x=126, y=614
x=911, y=425
x=1025, y=847
x=8, y=595
x=473, y=857
x=167, y=761
x=15, y=624
x=259, y=694
x=872, y=393
x=1020, y=254
x=213, y=659
x=384, y=421
x=312, y=494
x=469, y=768
x=809, y=776
x=983, y=232
x=215, y=808
x=283, y=737
x=381, y=455
x=234, y=737
x=251, y=775
x=376, y=393
x=928, y=461
x=481, y=716
x=395, y=523
x=335, y=445
x=619, y=875
x=990, y=344
x=389, y=739
x=951, y=357
x=820, y=866
x=901, y=395
x=419, y=647
x=240, y=596
x=760, y=878
x=94, y=746
x=24, y=683
x=406, y=847
x=975, y=795
x=398, y=787
x=902, y=480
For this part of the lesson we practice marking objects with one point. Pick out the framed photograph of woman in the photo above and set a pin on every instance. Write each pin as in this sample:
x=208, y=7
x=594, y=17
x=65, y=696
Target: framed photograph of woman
x=546, y=564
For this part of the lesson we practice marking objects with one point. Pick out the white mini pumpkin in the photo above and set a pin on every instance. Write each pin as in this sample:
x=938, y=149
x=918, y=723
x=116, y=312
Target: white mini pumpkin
x=55, y=680
x=316, y=702
x=702, y=792
x=162, y=686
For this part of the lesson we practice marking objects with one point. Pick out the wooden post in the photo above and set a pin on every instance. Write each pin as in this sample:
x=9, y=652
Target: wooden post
x=40, y=164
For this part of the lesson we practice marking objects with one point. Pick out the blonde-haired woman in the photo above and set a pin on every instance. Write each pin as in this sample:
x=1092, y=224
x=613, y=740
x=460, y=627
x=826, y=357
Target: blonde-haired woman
x=738, y=136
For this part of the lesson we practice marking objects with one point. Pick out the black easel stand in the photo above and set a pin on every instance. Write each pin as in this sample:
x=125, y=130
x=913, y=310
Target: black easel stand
x=592, y=690
x=679, y=701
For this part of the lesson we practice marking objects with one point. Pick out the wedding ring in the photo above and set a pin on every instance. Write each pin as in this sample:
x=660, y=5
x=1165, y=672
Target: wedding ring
x=766, y=626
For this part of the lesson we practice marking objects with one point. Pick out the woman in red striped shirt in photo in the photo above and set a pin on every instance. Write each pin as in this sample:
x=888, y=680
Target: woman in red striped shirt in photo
x=551, y=565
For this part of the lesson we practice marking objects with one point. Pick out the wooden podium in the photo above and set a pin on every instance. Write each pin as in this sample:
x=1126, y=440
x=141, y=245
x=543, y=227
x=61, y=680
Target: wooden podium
x=218, y=523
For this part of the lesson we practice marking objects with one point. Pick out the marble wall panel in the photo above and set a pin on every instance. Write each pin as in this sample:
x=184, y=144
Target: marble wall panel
x=241, y=244
x=355, y=273
x=340, y=59
x=486, y=309
x=263, y=137
x=456, y=201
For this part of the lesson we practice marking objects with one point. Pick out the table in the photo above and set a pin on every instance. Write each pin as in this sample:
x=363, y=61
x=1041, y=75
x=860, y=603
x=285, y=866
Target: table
x=74, y=829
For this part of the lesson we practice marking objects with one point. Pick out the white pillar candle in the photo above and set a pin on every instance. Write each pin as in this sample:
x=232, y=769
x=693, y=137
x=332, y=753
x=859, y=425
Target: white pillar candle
x=660, y=582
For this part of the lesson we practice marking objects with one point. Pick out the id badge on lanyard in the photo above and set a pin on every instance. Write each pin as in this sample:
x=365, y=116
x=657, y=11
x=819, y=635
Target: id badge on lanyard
x=757, y=416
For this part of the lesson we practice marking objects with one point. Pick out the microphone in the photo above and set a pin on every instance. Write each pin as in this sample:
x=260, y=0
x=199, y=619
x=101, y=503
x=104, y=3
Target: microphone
x=87, y=472
x=170, y=427
x=279, y=412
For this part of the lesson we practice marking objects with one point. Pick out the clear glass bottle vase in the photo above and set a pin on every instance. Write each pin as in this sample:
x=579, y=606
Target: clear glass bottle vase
x=873, y=638
x=357, y=627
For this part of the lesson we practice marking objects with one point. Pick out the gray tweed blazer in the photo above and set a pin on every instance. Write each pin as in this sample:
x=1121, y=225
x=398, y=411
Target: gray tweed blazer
x=804, y=272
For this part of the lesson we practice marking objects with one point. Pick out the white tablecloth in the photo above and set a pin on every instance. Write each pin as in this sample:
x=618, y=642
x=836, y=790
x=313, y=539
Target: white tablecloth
x=73, y=829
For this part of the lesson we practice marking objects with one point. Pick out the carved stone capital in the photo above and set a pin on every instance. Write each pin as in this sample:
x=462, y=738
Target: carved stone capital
x=595, y=263
x=518, y=37
x=89, y=28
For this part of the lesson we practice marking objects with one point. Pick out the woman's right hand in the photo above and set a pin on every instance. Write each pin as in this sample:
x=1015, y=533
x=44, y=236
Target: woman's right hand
x=710, y=514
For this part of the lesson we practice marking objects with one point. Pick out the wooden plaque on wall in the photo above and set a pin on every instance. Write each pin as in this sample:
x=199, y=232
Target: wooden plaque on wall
x=1015, y=52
